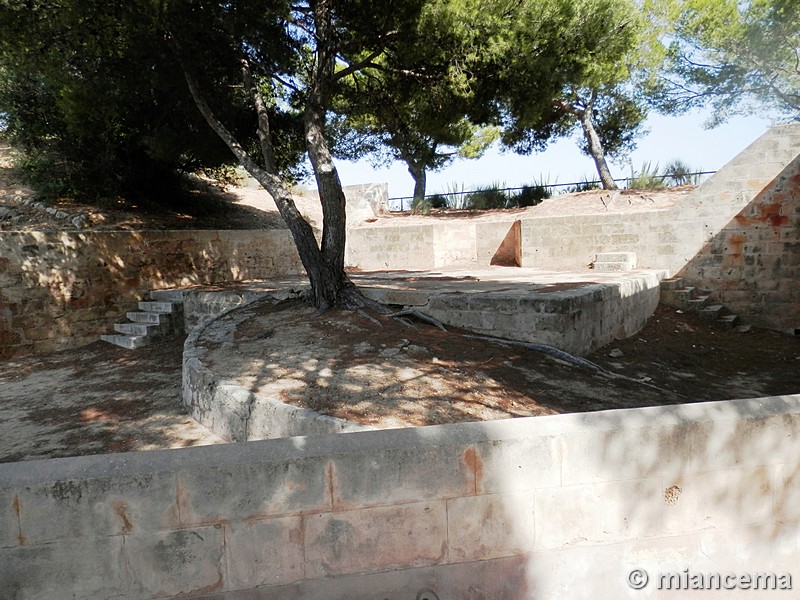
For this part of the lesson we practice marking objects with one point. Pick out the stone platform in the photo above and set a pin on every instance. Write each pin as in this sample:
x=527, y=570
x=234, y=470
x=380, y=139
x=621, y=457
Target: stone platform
x=575, y=311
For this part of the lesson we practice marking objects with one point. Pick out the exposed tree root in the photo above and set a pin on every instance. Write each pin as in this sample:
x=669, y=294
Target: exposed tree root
x=564, y=356
x=369, y=317
x=410, y=312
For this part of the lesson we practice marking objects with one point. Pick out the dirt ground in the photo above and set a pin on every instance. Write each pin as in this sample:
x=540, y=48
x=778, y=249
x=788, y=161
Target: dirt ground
x=95, y=400
x=387, y=374
x=105, y=399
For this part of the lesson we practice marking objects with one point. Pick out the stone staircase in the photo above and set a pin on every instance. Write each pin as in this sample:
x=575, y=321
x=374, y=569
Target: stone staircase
x=160, y=316
x=615, y=261
x=698, y=301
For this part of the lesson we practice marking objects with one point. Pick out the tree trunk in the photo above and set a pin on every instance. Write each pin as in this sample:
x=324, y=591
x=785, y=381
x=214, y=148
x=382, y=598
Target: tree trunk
x=330, y=279
x=417, y=171
x=324, y=266
x=595, y=147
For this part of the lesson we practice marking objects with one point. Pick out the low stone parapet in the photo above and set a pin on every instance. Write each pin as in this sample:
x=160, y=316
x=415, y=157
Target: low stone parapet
x=578, y=506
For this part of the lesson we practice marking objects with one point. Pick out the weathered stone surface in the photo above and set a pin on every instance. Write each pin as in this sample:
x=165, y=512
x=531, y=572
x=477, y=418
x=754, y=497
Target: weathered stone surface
x=9, y=519
x=397, y=475
x=90, y=278
x=79, y=568
x=501, y=578
x=265, y=552
x=551, y=538
x=375, y=539
x=493, y=526
x=253, y=490
x=97, y=507
x=597, y=513
x=178, y=562
x=517, y=464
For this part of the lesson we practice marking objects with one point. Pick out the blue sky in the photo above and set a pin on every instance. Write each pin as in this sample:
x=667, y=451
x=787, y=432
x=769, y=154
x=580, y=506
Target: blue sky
x=669, y=138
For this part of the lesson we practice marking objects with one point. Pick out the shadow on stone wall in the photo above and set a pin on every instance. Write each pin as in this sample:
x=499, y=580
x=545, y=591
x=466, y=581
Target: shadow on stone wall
x=752, y=265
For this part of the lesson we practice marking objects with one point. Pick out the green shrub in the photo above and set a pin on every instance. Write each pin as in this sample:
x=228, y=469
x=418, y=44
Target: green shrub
x=437, y=201
x=680, y=173
x=487, y=198
x=531, y=195
x=587, y=185
x=646, y=179
x=421, y=207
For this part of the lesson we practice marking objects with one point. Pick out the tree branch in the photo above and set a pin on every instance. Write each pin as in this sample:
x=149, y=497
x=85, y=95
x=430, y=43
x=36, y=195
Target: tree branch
x=354, y=67
x=264, y=136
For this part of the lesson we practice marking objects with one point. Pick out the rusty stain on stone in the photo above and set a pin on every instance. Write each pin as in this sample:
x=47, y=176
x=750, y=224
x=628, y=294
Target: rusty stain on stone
x=121, y=509
x=184, y=501
x=329, y=472
x=475, y=464
x=17, y=506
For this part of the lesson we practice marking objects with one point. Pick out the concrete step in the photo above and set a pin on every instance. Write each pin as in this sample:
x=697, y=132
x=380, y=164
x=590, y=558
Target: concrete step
x=672, y=283
x=160, y=316
x=158, y=307
x=167, y=295
x=616, y=257
x=685, y=294
x=126, y=341
x=698, y=303
x=152, y=318
x=139, y=328
x=612, y=266
x=712, y=312
x=729, y=321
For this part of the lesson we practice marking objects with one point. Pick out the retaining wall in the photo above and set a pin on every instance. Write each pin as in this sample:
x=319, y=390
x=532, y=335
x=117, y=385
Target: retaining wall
x=63, y=289
x=736, y=234
x=546, y=508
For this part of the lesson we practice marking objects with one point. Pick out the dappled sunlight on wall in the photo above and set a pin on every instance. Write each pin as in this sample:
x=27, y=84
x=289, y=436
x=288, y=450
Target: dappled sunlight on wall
x=62, y=289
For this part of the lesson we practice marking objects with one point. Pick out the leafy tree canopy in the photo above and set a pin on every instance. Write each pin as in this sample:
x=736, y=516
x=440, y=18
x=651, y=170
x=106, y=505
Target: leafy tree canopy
x=91, y=94
x=738, y=56
x=608, y=54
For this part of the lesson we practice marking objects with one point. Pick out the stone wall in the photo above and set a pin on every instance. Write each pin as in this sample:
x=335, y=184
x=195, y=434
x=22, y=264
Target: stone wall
x=736, y=234
x=752, y=264
x=63, y=289
x=555, y=507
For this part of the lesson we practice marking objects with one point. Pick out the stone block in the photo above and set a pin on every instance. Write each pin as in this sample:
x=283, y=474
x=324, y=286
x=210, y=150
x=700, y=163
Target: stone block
x=734, y=440
x=518, y=464
x=9, y=519
x=253, y=490
x=491, y=526
x=264, y=552
x=500, y=578
x=617, y=451
x=397, y=475
x=375, y=539
x=720, y=499
x=97, y=507
x=176, y=563
x=771, y=547
x=88, y=569
x=597, y=513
